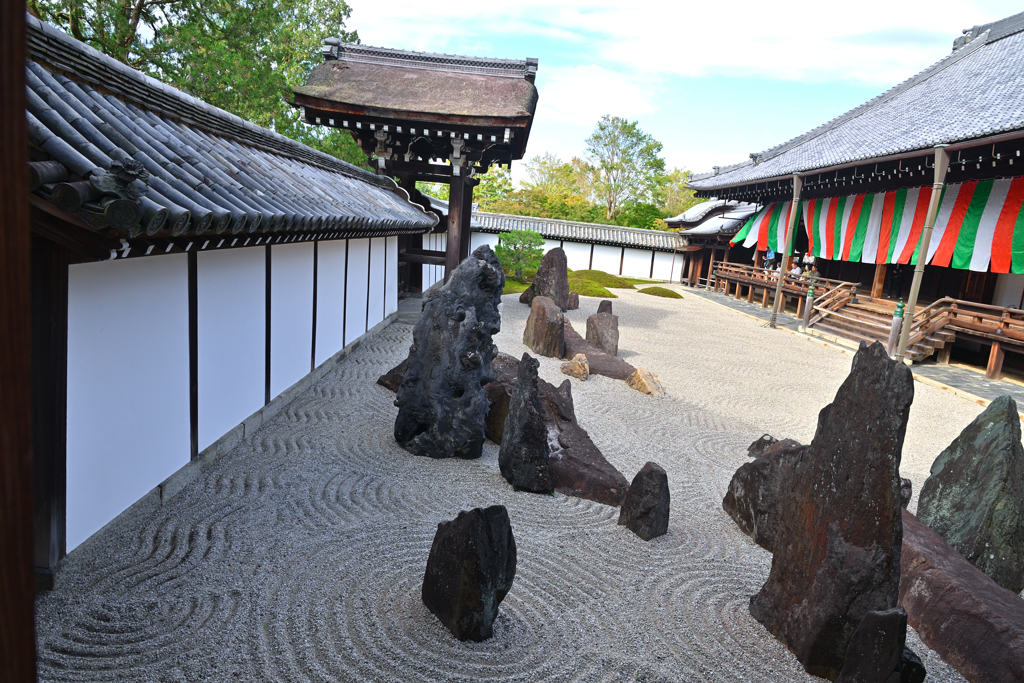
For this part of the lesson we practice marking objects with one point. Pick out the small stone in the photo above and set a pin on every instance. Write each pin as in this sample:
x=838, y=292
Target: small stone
x=911, y=667
x=577, y=367
x=524, y=458
x=646, y=506
x=646, y=382
x=392, y=379
x=974, y=497
x=875, y=652
x=757, y=448
x=545, y=328
x=574, y=301
x=906, y=492
x=603, y=332
x=470, y=570
x=551, y=281
x=605, y=306
x=600, y=362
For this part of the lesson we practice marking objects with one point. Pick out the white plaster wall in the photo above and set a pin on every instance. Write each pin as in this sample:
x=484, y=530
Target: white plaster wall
x=128, y=389
x=1009, y=289
x=577, y=254
x=391, y=277
x=355, y=314
x=231, y=327
x=664, y=266
x=607, y=258
x=551, y=244
x=480, y=238
x=291, y=314
x=330, y=299
x=375, y=313
x=637, y=263
x=430, y=243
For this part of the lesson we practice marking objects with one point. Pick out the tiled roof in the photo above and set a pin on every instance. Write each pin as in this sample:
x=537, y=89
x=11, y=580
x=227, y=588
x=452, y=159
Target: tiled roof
x=591, y=233
x=727, y=223
x=976, y=91
x=696, y=215
x=122, y=150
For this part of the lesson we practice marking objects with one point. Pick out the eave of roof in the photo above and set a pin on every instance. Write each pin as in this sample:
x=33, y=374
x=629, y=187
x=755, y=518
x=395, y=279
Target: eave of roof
x=595, y=233
x=972, y=94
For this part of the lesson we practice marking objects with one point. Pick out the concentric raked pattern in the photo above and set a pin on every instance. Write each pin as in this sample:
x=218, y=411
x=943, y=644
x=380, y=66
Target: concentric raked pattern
x=300, y=556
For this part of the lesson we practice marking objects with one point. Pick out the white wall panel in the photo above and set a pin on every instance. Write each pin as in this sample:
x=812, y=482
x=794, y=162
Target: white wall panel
x=355, y=314
x=375, y=313
x=291, y=314
x=663, y=265
x=391, y=277
x=1009, y=290
x=551, y=244
x=481, y=238
x=577, y=254
x=330, y=299
x=231, y=320
x=128, y=387
x=637, y=263
x=607, y=258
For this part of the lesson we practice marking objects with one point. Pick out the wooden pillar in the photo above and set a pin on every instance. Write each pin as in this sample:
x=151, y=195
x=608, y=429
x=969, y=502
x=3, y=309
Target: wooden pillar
x=764, y=296
x=750, y=294
x=995, y=361
x=49, y=405
x=711, y=267
x=466, y=230
x=17, y=627
x=944, y=353
x=456, y=194
x=878, y=282
x=622, y=261
x=758, y=259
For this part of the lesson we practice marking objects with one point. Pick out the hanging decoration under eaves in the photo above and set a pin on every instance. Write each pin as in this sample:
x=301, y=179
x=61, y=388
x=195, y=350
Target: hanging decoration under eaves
x=979, y=226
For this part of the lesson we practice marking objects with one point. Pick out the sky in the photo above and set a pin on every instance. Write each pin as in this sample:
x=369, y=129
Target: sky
x=712, y=81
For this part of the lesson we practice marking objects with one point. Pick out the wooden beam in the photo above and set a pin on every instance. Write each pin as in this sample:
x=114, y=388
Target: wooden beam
x=17, y=627
x=429, y=258
x=878, y=281
x=996, y=354
x=944, y=353
x=456, y=192
x=465, y=218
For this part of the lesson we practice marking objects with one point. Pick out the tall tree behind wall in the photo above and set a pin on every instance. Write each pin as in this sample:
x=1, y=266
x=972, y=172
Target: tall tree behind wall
x=627, y=168
x=239, y=55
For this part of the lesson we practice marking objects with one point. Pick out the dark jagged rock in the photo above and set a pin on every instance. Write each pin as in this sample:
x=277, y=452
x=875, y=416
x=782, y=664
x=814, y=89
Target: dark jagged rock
x=524, y=458
x=552, y=281
x=470, y=570
x=974, y=497
x=754, y=493
x=603, y=332
x=973, y=623
x=392, y=379
x=906, y=492
x=876, y=649
x=545, y=328
x=605, y=306
x=837, y=551
x=645, y=508
x=757, y=448
x=499, y=393
x=441, y=401
x=544, y=448
x=574, y=301
x=911, y=667
x=600, y=362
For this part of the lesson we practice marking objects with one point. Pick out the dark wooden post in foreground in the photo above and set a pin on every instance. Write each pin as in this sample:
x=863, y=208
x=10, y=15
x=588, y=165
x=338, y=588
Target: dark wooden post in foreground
x=17, y=641
x=460, y=211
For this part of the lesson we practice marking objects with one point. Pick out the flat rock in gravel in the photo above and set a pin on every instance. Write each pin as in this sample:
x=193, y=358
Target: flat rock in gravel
x=603, y=332
x=552, y=281
x=470, y=570
x=577, y=367
x=545, y=328
x=646, y=382
x=974, y=497
x=392, y=379
x=441, y=400
x=600, y=362
x=544, y=448
x=876, y=648
x=837, y=550
x=499, y=393
x=755, y=492
x=973, y=623
x=605, y=306
x=646, y=506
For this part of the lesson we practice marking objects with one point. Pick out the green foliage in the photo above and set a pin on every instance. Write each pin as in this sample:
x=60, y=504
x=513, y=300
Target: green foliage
x=495, y=186
x=514, y=286
x=519, y=249
x=662, y=292
x=627, y=168
x=673, y=194
x=437, y=190
x=641, y=215
x=240, y=55
x=599, y=277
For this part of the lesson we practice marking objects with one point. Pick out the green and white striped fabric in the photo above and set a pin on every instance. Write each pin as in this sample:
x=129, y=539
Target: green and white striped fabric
x=766, y=228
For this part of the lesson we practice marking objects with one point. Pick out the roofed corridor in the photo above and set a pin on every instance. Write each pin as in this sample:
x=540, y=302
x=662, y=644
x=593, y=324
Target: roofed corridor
x=300, y=554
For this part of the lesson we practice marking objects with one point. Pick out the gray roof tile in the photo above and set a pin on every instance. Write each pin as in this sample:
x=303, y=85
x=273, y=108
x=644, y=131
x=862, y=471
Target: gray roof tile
x=549, y=228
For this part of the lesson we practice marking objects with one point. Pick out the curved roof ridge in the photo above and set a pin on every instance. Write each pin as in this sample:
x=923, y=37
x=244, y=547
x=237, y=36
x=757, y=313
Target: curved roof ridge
x=434, y=61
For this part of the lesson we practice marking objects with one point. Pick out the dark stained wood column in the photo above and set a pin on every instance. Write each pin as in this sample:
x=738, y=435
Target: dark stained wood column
x=466, y=218
x=49, y=405
x=460, y=197
x=17, y=637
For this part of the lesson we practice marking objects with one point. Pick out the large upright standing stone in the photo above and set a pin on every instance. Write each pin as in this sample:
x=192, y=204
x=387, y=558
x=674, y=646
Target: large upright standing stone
x=837, y=550
x=470, y=570
x=974, y=497
x=646, y=506
x=524, y=458
x=552, y=281
x=441, y=401
x=603, y=332
x=545, y=328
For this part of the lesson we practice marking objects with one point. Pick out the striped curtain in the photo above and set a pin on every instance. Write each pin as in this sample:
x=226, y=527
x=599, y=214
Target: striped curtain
x=766, y=228
x=979, y=225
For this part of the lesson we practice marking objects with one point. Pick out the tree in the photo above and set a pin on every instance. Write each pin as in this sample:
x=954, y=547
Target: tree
x=627, y=168
x=519, y=249
x=675, y=196
x=495, y=186
x=240, y=55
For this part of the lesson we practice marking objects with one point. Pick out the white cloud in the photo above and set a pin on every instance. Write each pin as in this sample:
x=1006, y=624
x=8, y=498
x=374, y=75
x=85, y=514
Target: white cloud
x=583, y=94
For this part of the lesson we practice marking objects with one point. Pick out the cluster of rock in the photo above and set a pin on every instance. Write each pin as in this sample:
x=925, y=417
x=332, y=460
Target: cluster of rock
x=793, y=500
x=441, y=400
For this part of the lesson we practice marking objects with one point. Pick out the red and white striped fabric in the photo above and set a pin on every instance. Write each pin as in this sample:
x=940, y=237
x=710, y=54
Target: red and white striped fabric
x=766, y=228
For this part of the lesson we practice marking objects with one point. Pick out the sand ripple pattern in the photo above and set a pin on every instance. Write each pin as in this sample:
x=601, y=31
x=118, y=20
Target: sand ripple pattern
x=300, y=555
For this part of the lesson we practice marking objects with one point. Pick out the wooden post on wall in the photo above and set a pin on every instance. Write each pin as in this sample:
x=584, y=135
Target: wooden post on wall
x=466, y=218
x=17, y=630
x=456, y=193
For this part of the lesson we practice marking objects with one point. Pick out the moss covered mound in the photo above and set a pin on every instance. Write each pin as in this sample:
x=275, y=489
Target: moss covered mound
x=661, y=291
x=585, y=286
x=603, y=279
x=514, y=286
